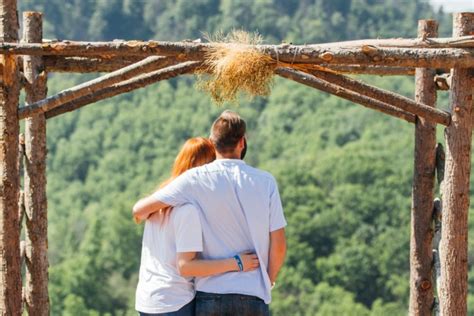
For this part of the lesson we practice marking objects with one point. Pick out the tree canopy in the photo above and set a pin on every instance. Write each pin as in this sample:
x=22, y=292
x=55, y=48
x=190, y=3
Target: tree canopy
x=344, y=172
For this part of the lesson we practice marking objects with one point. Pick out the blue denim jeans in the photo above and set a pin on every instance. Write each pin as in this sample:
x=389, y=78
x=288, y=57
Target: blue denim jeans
x=210, y=304
x=186, y=310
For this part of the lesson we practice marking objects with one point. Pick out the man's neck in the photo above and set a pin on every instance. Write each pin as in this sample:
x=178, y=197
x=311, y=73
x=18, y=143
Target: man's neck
x=227, y=156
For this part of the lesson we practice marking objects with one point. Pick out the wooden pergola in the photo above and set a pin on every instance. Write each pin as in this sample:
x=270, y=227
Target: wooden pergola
x=438, y=273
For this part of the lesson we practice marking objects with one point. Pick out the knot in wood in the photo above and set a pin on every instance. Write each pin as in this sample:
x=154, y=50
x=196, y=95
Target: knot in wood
x=327, y=56
x=377, y=58
x=369, y=49
x=425, y=285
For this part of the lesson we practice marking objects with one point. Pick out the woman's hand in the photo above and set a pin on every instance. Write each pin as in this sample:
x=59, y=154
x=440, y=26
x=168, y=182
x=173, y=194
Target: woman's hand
x=249, y=261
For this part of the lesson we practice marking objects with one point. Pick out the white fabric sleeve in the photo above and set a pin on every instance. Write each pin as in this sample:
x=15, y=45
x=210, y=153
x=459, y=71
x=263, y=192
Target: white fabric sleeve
x=277, y=217
x=177, y=192
x=187, y=227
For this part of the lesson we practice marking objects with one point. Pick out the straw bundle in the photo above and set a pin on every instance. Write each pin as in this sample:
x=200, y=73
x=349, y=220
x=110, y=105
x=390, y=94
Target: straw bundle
x=234, y=65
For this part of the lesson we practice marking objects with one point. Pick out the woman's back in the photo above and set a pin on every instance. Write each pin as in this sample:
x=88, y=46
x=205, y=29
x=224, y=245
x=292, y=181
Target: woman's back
x=161, y=289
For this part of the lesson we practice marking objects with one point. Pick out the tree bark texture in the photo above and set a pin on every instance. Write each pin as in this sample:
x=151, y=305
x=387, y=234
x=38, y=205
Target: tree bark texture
x=149, y=64
x=421, y=236
x=336, y=53
x=453, y=244
x=36, y=251
x=10, y=272
x=126, y=86
x=416, y=107
x=372, y=70
x=87, y=65
x=312, y=81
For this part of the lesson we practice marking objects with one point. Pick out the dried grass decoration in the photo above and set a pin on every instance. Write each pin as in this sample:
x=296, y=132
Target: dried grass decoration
x=234, y=65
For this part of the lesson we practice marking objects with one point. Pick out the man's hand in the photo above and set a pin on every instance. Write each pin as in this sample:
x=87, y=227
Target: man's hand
x=249, y=261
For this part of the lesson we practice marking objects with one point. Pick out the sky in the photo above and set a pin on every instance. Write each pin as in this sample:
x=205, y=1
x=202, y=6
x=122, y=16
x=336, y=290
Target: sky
x=454, y=5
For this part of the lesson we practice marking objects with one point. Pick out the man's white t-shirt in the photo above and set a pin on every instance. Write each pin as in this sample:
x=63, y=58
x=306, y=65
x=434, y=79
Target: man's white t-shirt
x=239, y=207
x=161, y=289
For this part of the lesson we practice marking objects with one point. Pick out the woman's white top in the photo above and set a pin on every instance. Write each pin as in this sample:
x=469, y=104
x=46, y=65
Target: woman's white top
x=161, y=289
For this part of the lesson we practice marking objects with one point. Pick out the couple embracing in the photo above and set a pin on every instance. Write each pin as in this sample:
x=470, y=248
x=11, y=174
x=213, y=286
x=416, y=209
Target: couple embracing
x=214, y=236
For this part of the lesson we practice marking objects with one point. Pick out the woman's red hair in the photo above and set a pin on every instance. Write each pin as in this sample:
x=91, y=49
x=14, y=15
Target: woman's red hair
x=196, y=151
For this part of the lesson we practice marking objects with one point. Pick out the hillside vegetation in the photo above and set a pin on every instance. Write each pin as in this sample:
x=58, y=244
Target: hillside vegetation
x=344, y=171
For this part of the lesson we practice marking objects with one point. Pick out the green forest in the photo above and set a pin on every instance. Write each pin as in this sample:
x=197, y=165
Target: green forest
x=344, y=171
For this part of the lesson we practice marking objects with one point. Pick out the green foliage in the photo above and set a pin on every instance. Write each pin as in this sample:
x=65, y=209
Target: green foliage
x=344, y=172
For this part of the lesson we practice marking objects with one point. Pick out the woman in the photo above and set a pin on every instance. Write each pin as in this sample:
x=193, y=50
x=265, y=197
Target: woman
x=171, y=239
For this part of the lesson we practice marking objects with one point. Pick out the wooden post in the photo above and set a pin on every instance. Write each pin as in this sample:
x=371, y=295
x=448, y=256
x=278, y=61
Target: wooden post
x=10, y=273
x=453, y=244
x=36, y=294
x=421, y=289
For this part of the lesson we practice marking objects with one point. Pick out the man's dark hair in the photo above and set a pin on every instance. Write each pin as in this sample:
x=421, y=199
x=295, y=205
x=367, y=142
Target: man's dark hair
x=227, y=130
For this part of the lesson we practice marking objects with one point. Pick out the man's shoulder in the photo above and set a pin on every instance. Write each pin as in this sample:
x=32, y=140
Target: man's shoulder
x=259, y=172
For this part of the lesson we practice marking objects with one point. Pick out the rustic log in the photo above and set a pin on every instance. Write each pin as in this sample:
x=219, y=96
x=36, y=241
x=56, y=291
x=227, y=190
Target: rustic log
x=36, y=284
x=458, y=135
x=367, y=54
x=126, y=86
x=372, y=70
x=312, y=81
x=421, y=236
x=396, y=100
x=149, y=64
x=437, y=218
x=21, y=199
x=86, y=65
x=10, y=271
x=431, y=42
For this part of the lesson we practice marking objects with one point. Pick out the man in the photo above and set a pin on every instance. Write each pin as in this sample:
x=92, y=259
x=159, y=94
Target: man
x=240, y=211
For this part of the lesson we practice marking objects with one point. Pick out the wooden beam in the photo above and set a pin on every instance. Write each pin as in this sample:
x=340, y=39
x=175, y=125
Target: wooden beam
x=419, y=42
x=421, y=252
x=454, y=233
x=368, y=54
x=10, y=267
x=396, y=100
x=372, y=70
x=36, y=238
x=87, y=65
x=149, y=64
x=126, y=86
x=317, y=83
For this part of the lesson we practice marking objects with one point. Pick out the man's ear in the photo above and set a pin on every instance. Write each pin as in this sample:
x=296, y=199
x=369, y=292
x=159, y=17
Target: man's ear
x=242, y=142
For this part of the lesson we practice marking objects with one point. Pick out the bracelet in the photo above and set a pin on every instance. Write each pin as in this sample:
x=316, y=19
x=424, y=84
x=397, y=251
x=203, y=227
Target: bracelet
x=239, y=262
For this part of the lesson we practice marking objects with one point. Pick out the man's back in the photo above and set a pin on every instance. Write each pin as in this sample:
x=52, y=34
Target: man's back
x=240, y=206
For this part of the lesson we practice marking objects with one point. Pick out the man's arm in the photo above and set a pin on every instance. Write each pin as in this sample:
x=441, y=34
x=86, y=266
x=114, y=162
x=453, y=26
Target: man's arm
x=190, y=266
x=147, y=206
x=277, y=253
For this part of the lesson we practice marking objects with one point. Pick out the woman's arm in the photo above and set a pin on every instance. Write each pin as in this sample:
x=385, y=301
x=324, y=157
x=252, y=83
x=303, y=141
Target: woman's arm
x=190, y=266
x=145, y=207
